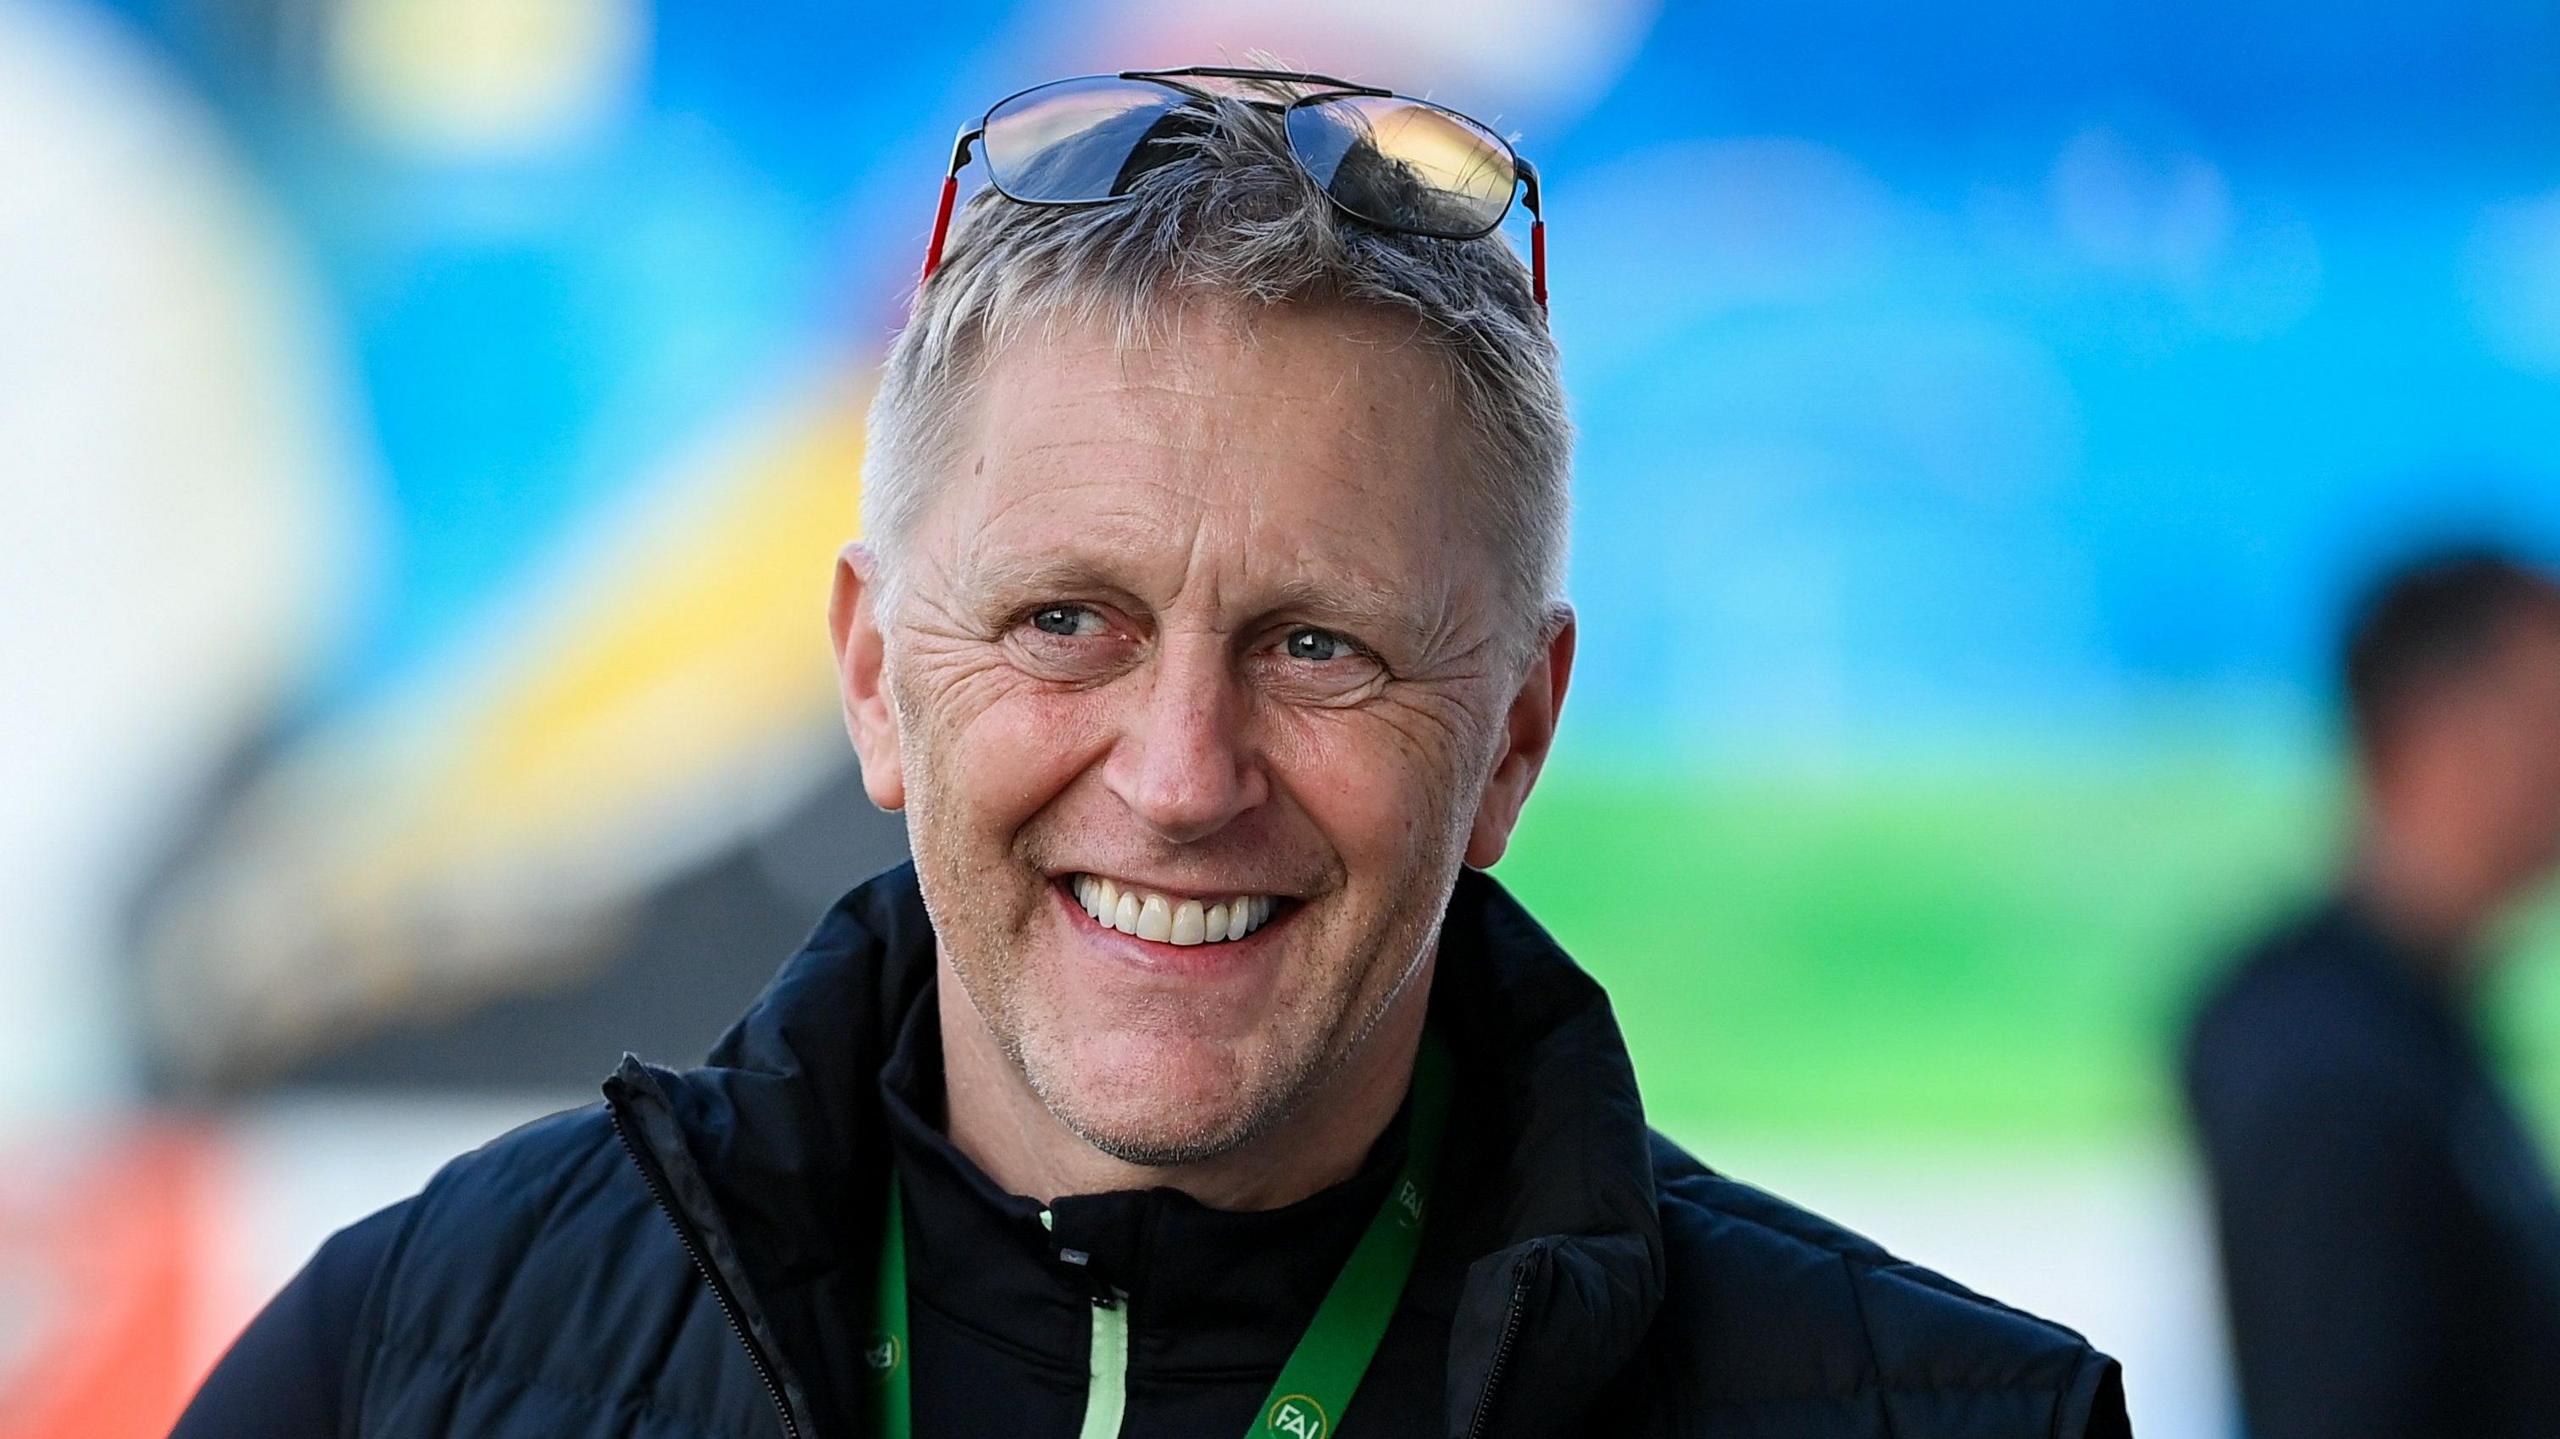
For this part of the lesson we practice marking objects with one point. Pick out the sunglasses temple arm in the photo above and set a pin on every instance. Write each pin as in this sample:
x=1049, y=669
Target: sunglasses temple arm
x=1537, y=235
x=1538, y=260
x=950, y=193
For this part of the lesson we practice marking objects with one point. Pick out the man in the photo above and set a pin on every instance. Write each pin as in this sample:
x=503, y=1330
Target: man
x=1191, y=1081
x=2390, y=1244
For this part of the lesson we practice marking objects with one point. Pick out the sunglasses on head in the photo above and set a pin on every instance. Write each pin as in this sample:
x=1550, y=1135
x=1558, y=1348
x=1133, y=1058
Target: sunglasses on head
x=1383, y=159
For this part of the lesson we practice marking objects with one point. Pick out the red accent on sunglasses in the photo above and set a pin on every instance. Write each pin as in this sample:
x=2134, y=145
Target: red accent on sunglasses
x=941, y=225
x=1538, y=259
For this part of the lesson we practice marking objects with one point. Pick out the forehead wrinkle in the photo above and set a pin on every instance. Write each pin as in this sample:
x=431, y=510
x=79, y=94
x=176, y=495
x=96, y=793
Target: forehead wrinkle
x=1192, y=478
x=1206, y=447
x=1199, y=425
x=1183, y=372
x=1175, y=395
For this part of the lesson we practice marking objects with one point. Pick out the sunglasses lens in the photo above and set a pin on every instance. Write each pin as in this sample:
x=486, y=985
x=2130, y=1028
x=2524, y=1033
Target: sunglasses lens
x=1406, y=165
x=1081, y=140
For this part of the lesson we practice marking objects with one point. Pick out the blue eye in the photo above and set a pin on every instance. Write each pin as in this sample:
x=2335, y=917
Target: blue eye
x=1316, y=646
x=1066, y=620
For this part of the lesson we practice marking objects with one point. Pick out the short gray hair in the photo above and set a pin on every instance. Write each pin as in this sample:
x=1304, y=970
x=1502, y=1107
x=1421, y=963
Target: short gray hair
x=1234, y=219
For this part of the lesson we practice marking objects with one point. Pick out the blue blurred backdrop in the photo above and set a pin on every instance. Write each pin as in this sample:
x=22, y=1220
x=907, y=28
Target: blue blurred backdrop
x=428, y=425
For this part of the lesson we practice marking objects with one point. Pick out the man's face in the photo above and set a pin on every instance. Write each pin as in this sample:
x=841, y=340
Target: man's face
x=1196, y=621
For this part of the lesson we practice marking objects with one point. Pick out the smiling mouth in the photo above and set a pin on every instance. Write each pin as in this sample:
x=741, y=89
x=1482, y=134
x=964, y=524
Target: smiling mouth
x=1169, y=919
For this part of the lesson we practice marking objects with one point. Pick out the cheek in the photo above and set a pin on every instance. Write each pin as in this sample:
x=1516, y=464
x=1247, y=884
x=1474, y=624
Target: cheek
x=1380, y=798
x=1002, y=755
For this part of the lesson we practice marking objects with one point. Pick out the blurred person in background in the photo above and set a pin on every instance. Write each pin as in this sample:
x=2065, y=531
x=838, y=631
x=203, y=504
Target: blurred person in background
x=1193, y=1079
x=2390, y=1241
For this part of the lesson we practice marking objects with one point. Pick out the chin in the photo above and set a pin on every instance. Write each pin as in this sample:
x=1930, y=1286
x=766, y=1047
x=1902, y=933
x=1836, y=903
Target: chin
x=1152, y=1099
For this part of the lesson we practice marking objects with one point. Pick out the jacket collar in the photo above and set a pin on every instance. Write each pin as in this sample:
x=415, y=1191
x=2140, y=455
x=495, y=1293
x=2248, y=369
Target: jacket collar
x=1553, y=1245
x=1567, y=1266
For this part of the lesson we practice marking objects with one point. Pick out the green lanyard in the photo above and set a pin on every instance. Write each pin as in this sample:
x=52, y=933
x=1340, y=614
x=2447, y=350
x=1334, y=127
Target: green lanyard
x=1315, y=1386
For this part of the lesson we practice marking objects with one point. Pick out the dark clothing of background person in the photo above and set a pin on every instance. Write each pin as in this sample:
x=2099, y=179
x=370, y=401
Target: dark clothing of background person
x=1578, y=1273
x=2390, y=1242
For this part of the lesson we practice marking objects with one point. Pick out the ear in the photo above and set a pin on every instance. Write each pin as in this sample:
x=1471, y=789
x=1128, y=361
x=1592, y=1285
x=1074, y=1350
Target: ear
x=853, y=619
x=1529, y=731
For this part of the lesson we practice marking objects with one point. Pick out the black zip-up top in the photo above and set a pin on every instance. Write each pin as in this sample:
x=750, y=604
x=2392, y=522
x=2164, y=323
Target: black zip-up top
x=694, y=1257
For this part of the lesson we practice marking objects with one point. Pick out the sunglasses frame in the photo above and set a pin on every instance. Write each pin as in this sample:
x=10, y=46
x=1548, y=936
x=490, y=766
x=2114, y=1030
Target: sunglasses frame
x=1524, y=185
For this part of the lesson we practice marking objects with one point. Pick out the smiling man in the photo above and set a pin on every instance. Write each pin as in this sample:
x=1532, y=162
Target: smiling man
x=1193, y=719
x=1193, y=1080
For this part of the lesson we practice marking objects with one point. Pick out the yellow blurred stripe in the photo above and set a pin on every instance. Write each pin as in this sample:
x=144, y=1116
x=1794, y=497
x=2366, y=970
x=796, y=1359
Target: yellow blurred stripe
x=704, y=646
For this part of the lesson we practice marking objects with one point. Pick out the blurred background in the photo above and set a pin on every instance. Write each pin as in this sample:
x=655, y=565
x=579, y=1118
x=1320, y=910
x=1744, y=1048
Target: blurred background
x=426, y=426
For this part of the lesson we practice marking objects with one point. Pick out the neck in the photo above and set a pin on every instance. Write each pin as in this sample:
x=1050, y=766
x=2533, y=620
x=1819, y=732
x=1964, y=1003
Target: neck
x=995, y=1118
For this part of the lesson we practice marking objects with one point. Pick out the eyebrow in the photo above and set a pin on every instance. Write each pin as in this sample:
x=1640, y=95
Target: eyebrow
x=1357, y=603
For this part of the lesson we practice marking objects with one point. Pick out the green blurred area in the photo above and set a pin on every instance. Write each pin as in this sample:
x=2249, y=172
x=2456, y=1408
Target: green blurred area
x=1970, y=950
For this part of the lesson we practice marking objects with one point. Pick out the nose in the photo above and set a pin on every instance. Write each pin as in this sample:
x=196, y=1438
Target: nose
x=1183, y=763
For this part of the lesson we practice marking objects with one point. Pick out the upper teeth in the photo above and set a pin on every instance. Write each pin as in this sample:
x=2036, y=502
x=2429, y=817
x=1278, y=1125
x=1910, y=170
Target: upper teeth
x=1149, y=915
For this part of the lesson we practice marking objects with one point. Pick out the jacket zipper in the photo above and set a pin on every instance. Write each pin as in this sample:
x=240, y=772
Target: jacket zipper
x=1106, y=1385
x=702, y=1266
x=1106, y=1395
x=1502, y=1346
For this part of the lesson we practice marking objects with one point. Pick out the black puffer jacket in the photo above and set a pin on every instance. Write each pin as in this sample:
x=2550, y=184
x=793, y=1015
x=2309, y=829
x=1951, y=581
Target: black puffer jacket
x=680, y=1260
